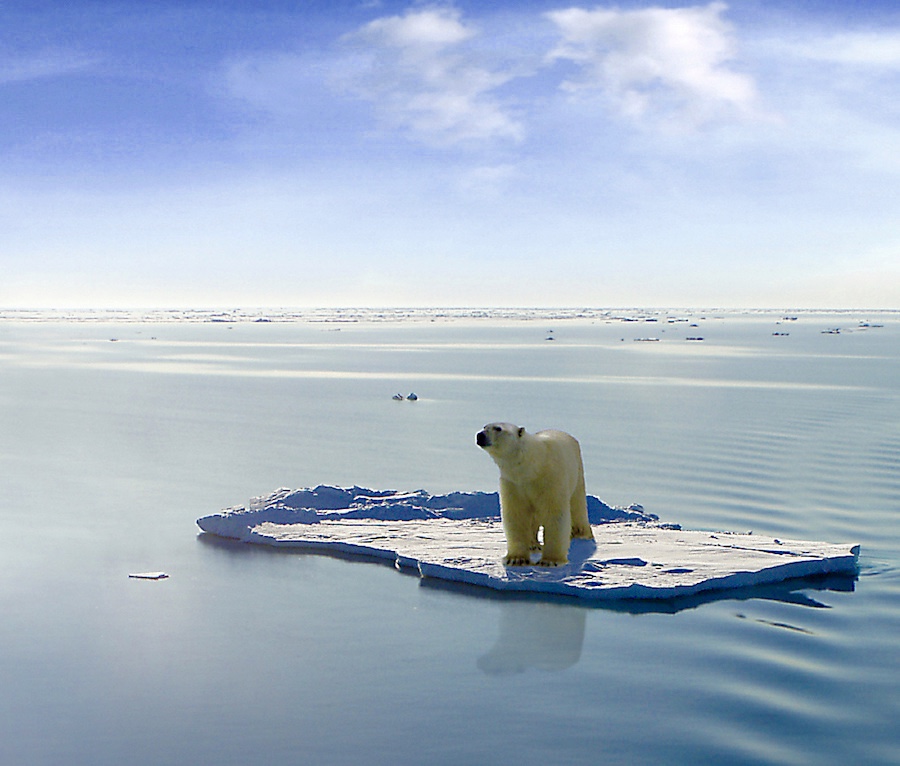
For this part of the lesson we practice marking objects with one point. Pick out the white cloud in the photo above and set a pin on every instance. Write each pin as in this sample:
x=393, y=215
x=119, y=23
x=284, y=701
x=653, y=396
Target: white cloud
x=656, y=61
x=435, y=78
x=423, y=31
x=425, y=80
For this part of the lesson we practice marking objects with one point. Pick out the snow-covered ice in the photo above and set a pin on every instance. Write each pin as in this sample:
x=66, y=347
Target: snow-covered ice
x=458, y=537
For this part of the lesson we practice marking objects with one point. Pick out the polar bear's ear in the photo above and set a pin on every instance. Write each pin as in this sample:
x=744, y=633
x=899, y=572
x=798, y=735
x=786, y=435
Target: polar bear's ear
x=521, y=431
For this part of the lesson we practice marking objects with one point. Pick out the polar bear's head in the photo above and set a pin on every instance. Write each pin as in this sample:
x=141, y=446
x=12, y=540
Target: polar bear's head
x=499, y=438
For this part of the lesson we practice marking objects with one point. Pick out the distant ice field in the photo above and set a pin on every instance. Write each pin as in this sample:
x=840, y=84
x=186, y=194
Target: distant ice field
x=120, y=429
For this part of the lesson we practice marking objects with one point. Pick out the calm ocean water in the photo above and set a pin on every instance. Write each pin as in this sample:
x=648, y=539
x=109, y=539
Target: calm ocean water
x=116, y=435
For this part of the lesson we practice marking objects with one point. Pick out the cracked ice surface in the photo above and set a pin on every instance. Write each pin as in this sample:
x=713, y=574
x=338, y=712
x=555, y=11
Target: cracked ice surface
x=458, y=537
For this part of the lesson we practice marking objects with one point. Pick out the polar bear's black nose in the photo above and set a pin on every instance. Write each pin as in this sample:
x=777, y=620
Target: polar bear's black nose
x=481, y=439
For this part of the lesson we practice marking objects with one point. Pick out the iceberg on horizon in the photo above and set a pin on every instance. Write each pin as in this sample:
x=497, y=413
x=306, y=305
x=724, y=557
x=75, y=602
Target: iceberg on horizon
x=458, y=537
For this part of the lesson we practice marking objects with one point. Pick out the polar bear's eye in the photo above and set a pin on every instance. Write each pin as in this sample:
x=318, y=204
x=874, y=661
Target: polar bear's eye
x=497, y=429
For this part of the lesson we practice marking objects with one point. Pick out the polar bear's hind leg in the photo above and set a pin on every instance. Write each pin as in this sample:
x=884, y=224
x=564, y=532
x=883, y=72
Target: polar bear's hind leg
x=581, y=526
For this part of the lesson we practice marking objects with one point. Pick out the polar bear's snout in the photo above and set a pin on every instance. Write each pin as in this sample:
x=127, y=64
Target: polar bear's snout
x=495, y=434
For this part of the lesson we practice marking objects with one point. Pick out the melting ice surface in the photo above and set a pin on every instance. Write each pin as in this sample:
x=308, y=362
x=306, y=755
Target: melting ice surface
x=458, y=537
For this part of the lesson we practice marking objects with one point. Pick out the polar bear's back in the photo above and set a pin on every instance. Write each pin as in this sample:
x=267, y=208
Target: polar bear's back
x=562, y=455
x=559, y=439
x=556, y=435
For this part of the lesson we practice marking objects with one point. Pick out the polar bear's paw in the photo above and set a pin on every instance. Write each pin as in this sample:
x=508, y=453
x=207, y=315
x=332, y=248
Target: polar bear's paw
x=517, y=561
x=551, y=563
x=582, y=533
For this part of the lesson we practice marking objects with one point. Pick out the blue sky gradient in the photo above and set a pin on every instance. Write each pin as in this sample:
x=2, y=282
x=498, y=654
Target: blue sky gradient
x=401, y=154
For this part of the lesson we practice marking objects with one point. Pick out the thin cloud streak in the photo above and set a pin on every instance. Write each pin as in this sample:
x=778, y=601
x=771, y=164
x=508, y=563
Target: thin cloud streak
x=44, y=65
x=876, y=50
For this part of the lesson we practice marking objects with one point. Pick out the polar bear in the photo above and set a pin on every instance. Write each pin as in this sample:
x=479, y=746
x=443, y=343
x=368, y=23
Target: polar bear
x=541, y=485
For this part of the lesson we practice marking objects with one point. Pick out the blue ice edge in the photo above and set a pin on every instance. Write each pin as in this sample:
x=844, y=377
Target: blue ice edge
x=458, y=538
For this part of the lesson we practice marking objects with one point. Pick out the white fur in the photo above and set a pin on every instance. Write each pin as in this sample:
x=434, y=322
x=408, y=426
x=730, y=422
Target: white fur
x=541, y=485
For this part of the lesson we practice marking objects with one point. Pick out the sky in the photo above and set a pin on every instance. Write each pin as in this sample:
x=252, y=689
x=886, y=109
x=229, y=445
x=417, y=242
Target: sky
x=530, y=153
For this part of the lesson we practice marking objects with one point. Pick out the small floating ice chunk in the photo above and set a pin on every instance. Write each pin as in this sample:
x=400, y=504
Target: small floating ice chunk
x=412, y=397
x=149, y=576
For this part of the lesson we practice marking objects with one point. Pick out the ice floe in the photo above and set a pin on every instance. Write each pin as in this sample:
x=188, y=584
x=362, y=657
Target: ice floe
x=458, y=537
x=350, y=315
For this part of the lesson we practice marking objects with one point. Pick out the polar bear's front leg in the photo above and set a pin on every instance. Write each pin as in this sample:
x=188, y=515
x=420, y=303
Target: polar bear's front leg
x=557, y=536
x=519, y=525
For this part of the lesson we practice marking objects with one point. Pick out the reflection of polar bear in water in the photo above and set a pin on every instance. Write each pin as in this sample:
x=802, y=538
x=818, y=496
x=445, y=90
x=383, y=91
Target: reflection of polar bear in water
x=541, y=485
x=535, y=635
